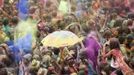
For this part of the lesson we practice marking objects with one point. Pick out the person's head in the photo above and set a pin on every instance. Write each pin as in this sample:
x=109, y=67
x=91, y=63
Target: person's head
x=5, y=21
x=114, y=43
x=14, y=20
x=56, y=51
x=113, y=15
x=46, y=60
x=126, y=30
x=65, y=70
x=91, y=24
x=73, y=8
x=94, y=35
x=130, y=22
x=83, y=55
x=118, y=23
x=48, y=3
x=130, y=38
x=35, y=64
x=122, y=39
x=107, y=34
x=68, y=19
x=75, y=19
x=120, y=31
x=26, y=59
x=129, y=41
x=51, y=70
x=47, y=18
x=54, y=14
x=85, y=29
x=26, y=62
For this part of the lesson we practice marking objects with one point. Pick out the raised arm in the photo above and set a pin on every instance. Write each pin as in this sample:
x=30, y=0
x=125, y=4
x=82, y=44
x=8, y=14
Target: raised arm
x=108, y=54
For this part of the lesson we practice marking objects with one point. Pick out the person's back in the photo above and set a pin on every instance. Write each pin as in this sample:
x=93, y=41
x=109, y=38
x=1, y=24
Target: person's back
x=120, y=60
x=118, y=55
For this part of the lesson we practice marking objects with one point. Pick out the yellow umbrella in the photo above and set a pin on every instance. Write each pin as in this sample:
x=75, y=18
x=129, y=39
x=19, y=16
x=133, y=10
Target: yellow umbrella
x=61, y=39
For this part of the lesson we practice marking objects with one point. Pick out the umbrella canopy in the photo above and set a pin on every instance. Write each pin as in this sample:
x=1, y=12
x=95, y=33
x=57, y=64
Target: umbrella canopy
x=60, y=39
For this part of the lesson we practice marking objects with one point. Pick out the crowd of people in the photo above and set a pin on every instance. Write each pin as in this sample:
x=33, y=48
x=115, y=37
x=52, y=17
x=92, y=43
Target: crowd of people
x=106, y=25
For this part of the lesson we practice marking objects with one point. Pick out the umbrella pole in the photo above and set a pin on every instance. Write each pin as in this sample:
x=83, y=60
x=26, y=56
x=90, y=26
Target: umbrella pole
x=78, y=51
x=61, y=54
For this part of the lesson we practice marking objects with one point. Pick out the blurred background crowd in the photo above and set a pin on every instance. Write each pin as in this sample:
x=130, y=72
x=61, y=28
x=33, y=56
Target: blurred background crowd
x=106, y=26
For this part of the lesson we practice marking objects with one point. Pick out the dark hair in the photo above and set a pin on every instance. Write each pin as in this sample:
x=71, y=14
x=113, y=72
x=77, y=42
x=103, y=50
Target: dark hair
x=130, y=38
x=126, y=30
x=5, y=21
x=56, y=51
x=48, y=4
x=120, y=31
x=65, y=70
x=86, y=29
x=83, y=55
x=118, y=23
x=113, y=15
x=114, y=43
x=129, y=22
x=122, y=39
x=118, y=72
x=107, y=34
x=129, y=41
x=15, y=20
